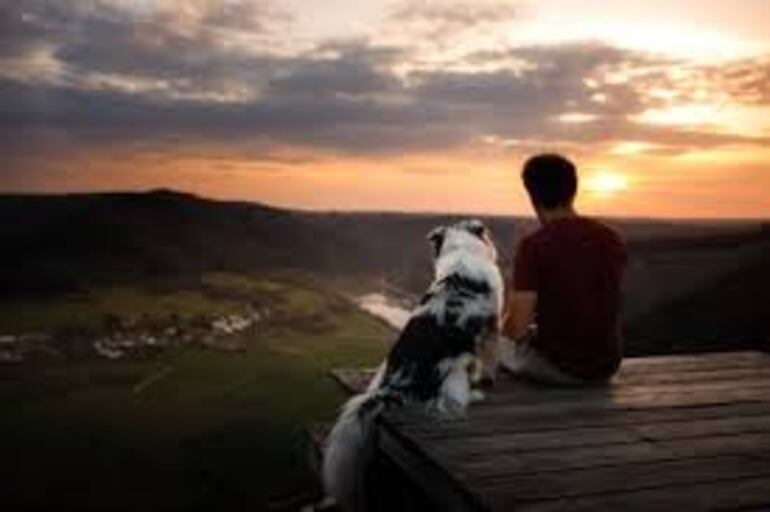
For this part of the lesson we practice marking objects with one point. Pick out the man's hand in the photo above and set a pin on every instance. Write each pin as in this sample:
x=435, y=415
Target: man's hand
x=520, y=315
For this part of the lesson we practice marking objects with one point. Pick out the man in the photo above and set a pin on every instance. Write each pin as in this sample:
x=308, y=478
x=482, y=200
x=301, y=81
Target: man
x=563, y=311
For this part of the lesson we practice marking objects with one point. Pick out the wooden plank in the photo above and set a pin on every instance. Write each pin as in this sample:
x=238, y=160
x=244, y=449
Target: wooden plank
x=517, y=394
x=755, y=445
x=505, y=422
x=514, y=417
x=649, y=398
x=703, y=427
x=353, y=380
x=592, y=404
x=473, y=446
x=582, y=482
x=507, y=444
x=725, y=494
x=719, y=359
x=444, y=490
x=640, y=373
x=692, y=376
x=515, y=490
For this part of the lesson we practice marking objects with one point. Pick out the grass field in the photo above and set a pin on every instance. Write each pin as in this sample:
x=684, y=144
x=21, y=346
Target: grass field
x=190, y=429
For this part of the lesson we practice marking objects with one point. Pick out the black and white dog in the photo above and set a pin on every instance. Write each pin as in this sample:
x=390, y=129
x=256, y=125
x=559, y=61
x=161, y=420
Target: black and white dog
x=434, y=361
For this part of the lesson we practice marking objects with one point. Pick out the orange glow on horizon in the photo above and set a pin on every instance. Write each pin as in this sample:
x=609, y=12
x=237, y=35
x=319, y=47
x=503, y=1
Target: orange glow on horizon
x=639, y=184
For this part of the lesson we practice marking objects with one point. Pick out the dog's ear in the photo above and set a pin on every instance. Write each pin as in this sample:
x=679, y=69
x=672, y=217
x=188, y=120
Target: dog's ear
x=476, y=227
x=436, y=238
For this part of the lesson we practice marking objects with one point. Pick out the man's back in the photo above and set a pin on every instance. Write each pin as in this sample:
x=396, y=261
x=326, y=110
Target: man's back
x=575, y=265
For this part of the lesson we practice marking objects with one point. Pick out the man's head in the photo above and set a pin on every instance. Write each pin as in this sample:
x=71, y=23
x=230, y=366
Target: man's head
x=551, y=181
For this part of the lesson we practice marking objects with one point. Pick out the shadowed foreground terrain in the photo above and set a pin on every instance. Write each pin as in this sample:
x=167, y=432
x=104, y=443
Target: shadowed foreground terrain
x=191, y=427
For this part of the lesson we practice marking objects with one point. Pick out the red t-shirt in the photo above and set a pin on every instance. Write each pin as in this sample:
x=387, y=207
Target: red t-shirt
x=576, y=266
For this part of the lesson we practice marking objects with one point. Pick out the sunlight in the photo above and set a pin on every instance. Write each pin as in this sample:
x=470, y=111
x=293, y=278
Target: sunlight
x=724, y=117
x=576, y=118
x=672, y=38
x=633, y=147
x=693, y=114
x=606, y=183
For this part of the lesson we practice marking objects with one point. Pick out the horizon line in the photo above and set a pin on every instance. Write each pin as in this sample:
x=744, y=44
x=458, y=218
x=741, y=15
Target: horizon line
x=332, y=211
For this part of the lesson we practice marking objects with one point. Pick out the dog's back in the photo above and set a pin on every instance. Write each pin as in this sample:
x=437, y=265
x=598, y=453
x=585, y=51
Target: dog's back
x=430, y=362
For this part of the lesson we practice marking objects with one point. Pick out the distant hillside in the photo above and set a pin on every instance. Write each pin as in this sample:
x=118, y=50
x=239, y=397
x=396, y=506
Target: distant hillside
x=61, y=242
x=57, y=243
x=728, y=311
x=678, y=271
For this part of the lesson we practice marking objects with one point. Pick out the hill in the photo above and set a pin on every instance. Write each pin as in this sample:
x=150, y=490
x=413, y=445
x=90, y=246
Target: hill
x=61, y=243
x=57, y=243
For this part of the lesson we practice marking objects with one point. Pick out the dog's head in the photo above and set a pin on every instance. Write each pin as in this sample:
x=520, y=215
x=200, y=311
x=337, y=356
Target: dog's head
x=469, y=235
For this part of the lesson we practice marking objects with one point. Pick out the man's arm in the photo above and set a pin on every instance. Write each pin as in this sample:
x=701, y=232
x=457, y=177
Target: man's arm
x=520, y=314
x=522, y=292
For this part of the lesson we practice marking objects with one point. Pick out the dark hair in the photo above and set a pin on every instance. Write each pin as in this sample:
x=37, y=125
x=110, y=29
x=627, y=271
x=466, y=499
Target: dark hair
x=551, y=180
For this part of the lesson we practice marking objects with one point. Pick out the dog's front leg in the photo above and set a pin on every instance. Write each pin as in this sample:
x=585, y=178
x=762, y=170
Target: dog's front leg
x=475, y=377
x=477, y=395
x=456, y=392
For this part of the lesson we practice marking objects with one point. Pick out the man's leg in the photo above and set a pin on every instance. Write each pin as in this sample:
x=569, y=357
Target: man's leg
x=523, y=360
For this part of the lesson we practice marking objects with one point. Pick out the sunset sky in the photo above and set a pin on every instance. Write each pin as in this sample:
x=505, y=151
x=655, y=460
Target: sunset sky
x=391, y=105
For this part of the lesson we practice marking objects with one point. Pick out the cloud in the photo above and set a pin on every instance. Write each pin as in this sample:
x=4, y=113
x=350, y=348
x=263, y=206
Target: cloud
x=436, y=29
x=111, y=72
x=444, y=16
x=19, y=35
x=338, y=69
x=745, y=81
x=183, y=49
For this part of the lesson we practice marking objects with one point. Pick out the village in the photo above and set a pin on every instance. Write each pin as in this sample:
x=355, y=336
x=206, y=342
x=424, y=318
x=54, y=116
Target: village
x=141, y=337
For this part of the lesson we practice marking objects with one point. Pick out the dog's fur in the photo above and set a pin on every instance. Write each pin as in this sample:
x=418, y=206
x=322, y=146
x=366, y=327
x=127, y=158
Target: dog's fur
x=434, y=359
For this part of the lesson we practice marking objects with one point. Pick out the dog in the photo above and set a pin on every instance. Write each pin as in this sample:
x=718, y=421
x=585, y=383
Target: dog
x=435, y=360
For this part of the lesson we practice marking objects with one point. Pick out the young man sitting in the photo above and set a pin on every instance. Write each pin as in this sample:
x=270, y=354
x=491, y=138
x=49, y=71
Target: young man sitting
x=562, y=323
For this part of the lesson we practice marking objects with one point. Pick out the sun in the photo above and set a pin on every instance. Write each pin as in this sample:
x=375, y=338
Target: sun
x=606, y=183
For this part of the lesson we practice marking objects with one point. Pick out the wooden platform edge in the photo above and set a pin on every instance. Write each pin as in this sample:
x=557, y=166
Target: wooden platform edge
x=440, y=487
x=353, y=380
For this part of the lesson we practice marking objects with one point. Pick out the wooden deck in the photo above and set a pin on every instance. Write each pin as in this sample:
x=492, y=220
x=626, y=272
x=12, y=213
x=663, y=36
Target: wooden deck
x=670, y=432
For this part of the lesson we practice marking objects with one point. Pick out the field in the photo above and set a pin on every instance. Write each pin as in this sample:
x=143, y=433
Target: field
x=192, y=428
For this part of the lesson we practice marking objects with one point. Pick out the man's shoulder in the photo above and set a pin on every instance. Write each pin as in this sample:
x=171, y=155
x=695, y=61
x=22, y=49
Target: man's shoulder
x=609, y=240
x=566, y=228
x=532, y=239
x=571, y=230
x=604, y=229
x=543, y=235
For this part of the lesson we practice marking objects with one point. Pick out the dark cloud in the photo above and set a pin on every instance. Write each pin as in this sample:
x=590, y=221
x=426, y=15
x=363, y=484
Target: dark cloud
x=552, y=82
x=160, y=77
x=442, y=20
x=177, y=48
x=351, y=70
x=18, y=36
x=457, y=13
x=747, y=81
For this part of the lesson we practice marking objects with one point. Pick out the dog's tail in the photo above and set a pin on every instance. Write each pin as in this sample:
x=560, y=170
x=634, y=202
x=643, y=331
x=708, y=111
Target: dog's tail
x=349, y=451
